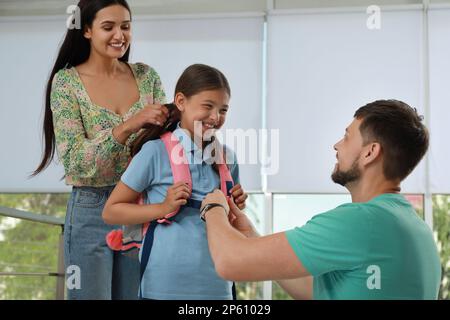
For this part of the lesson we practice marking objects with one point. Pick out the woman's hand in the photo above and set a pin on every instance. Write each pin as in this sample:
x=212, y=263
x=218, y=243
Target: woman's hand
x=155, y=114
x=239, y=196
x=176, y=197
x=151, y=114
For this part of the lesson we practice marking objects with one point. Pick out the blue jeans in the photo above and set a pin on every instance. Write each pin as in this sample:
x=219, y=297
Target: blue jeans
x=102, y=273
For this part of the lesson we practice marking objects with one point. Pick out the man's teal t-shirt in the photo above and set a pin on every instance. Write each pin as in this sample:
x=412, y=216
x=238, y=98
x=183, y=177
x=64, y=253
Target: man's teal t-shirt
x=379, y=249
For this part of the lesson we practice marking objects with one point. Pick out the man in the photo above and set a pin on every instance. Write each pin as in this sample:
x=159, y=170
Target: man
x=373, y=248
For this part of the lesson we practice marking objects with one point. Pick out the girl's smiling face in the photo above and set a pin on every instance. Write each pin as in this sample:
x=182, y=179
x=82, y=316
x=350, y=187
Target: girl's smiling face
x=208, y=108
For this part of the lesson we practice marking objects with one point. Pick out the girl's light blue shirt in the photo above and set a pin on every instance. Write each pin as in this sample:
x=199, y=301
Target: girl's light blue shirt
x=180, y=265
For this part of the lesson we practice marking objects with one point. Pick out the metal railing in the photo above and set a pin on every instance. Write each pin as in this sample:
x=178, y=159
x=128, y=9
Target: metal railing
x=49, y=220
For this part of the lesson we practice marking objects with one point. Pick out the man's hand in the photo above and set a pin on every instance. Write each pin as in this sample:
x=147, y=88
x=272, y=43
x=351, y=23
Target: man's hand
x=236, y=217
x=216, y=196
x=240, y=221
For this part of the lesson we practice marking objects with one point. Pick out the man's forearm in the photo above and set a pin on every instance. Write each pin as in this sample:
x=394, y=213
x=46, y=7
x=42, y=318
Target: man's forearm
x=238, y=257
x=223, y=239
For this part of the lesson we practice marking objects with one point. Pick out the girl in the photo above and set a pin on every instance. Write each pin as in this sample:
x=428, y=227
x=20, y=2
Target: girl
x=96, y=102
x=179, y=264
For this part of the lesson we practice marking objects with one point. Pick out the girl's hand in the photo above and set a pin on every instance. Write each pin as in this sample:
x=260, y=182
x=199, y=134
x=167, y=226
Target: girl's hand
x=239, y=196
x=155, y=114
x=176, y=197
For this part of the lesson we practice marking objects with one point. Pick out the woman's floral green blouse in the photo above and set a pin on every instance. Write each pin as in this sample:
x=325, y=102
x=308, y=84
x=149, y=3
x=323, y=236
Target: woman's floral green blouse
x=83, y=131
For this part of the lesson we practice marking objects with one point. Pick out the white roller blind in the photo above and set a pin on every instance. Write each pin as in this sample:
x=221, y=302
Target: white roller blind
x=234, y=45
x=322, y=67
x=138, y=7
x=25, y=62
x=294, y=4
x=439, y=100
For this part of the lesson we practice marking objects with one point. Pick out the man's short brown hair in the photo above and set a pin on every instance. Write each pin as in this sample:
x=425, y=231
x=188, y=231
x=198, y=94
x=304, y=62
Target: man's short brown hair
x=399, y=129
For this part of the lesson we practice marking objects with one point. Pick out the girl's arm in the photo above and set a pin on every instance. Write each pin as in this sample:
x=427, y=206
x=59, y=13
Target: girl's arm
x=122, y=209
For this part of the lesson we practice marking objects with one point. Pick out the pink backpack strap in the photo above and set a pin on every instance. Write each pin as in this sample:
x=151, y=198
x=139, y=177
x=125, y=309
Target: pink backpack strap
x=180, y=172
x=178, y=163
x=226, y=180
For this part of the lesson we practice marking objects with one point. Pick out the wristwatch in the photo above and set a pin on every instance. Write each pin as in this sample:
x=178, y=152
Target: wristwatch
x=208, y=207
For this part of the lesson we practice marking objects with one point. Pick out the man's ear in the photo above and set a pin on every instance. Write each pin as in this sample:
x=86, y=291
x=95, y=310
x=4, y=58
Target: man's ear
x=371, y=153
x=180, y=100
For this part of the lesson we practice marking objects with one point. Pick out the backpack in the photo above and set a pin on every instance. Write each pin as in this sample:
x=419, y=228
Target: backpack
x=129, y=239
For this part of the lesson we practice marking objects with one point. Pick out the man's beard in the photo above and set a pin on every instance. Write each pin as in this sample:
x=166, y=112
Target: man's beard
x=345, y=177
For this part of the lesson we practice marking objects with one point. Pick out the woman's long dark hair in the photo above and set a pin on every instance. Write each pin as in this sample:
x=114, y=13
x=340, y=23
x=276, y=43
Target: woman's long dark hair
x=74, y=51
x=195, y=79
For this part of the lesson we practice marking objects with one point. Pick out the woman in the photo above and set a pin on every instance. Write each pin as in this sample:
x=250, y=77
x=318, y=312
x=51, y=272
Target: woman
x=96, y=103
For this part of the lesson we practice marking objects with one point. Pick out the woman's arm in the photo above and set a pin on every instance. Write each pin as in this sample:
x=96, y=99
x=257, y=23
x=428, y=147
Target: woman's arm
x=122, y=209
x=156, y=97
x=151, y=114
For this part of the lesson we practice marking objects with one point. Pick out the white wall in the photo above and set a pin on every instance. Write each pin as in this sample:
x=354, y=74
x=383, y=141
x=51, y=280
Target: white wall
x=25, y=66
x=440, y=100
x=322, y=67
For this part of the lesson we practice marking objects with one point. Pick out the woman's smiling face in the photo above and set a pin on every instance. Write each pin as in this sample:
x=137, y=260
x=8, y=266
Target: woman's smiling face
x=110, y=33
